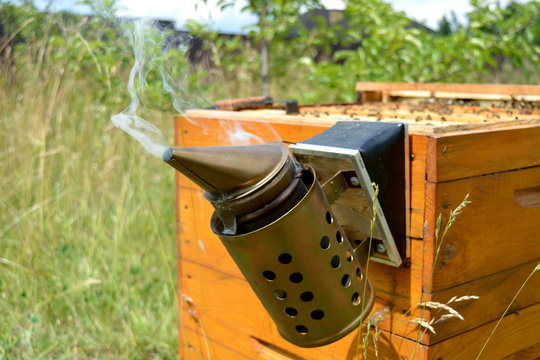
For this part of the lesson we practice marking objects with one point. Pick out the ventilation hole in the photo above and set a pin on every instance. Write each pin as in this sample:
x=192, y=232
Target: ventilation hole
x=296, y=278
x=292, y=312
x=329, y=217
x=355, y=299
x=349, y=257
x=269, y=275
x=346, y=280
x=285, y=258
x=317, y=314
x=339, y=238
x=325, y=242
x=280, y=294
x=359, y=274
x=306, y=296
x=302, y=330
x=335, y=262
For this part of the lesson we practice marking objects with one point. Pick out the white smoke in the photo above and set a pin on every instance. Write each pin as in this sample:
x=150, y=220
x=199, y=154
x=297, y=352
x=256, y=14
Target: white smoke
x=147, y=134
x=151, y=48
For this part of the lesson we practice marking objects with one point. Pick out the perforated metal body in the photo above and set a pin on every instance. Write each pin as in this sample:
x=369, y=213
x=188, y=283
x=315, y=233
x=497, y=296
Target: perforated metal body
x=304, y=271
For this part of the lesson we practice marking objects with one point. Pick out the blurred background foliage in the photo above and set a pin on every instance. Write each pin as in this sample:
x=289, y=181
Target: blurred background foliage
x=368, y=41
x=87, y=247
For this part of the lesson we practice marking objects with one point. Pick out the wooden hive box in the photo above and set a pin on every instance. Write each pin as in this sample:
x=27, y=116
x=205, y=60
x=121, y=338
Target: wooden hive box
x=464, y=139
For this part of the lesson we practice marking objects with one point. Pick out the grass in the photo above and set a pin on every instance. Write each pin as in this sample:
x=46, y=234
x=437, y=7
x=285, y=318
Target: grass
x=87, y=224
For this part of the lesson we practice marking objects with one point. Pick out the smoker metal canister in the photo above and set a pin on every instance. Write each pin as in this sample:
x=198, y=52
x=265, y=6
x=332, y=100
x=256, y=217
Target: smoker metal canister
x=303, y=269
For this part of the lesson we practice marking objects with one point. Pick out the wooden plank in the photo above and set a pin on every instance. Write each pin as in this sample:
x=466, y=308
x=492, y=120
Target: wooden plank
x=530, y=353
x=495, y=291
x=458, y=156
x=198, y=244
x=503, y=89
x=201, y=347
x=415, y=94
x=515, y=332
x=494, y=232
x=389, y=347
x=418, y=180
x=209, y=127
x=433, y=114
x=193, y=135
x=225, y=309
x=422, y=118
x=223, y=299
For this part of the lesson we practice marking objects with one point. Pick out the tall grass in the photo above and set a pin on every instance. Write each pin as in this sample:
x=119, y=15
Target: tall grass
x=87, y=224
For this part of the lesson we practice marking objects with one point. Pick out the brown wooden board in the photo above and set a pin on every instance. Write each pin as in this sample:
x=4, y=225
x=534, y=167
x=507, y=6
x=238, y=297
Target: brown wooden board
x=495, y=293
x=201, y=134
x=504, y=89
x=488, y=252
x=457, y=156
x=493, y=233
x=516, y=332
x=199, y=346
x=530, y=353
x=418, y=146
x=397, y=288
x=224, y=309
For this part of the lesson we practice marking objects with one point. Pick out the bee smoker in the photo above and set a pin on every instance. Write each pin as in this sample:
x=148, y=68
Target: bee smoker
x=284, y=230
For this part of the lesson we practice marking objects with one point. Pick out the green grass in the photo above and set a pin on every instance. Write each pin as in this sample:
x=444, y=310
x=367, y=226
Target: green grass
x=87, y=227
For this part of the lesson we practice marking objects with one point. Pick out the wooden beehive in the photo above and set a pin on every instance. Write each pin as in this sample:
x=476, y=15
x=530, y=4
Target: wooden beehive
x=464, y=139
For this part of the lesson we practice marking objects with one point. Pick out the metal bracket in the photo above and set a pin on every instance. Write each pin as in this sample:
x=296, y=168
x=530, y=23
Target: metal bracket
x=347, y=183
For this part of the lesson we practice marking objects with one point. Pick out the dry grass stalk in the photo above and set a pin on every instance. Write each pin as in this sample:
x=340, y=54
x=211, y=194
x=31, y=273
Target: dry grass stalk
x=438, y=242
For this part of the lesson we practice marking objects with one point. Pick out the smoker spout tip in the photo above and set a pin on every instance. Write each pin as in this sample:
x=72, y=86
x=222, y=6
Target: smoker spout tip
x=167, y=155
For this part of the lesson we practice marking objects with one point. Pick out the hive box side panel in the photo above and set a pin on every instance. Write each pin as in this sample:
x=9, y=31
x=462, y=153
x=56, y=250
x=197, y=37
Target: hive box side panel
x=462, y=155
x=495, y=232
x=398, y=288
x=484, y=300
x=417, y=177
x=208, y=131
x=514, y=333
x=224, y=309
x=199, y=346
x=530, y=353
x=503, y=89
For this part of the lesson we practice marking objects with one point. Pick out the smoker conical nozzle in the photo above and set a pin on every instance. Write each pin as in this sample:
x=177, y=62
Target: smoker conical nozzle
x=223, y=171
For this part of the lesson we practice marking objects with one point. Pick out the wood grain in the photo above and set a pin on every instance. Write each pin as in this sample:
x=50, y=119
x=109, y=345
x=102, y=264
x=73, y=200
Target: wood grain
x=458, y=156
x=189, y=134
x=488, y=251
x=220, y=298
x=495, y=291
x=390, y=347
x=530, y=353
x=493, y=233
x=515, y=332
x=503, y=89
x=418, y=182
x=198, y=244
x=225, y=309
x=200, y=347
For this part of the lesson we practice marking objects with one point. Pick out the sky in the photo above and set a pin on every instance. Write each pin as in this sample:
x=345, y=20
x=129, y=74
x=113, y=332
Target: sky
x=233, y=20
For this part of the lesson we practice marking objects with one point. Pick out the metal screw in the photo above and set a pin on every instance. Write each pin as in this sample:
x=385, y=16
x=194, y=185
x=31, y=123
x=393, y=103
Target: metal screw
x=381, y=248
x=355, y=181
